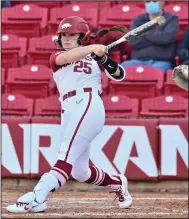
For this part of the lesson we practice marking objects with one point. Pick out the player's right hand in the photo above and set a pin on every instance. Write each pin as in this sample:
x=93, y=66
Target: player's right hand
x=99, y=49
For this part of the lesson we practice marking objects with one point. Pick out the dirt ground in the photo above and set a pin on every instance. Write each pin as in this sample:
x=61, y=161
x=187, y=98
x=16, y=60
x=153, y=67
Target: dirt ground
x=76, y=201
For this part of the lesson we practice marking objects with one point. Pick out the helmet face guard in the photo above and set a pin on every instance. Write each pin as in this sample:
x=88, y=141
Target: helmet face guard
x=59, y=45
x=72, y=25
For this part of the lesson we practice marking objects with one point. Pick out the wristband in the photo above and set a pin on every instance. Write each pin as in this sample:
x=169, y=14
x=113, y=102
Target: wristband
x=98, y=58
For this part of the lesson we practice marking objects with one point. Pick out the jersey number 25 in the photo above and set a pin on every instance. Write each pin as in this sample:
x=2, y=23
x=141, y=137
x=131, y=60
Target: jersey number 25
x=83, y=67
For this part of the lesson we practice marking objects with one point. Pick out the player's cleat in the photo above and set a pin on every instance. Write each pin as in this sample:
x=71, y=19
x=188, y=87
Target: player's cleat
x=27, y=204
x=124, y=198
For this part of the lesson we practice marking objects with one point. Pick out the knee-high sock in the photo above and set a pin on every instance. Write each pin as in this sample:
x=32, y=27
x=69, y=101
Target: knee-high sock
x=61, y=170
x=100, y=178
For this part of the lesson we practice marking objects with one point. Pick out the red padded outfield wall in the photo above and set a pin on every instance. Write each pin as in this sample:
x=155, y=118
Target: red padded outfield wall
x=142, y=149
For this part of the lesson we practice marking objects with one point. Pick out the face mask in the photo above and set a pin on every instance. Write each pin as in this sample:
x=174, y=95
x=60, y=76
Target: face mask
x=153, y=8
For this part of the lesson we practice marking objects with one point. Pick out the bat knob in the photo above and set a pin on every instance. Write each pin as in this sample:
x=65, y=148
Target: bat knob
x=161, y=20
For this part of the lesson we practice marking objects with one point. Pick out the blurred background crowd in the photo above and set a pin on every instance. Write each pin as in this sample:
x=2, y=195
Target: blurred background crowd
x=29, y=29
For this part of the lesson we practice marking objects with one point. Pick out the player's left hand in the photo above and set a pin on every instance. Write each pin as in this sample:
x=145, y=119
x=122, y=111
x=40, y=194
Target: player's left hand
x=99, y=50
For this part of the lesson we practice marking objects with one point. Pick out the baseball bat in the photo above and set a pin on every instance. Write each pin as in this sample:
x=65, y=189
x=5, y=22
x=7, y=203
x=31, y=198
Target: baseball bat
x=138, y=31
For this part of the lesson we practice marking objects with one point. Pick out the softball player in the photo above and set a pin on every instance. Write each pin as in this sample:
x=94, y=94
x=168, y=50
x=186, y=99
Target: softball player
x=77, y=75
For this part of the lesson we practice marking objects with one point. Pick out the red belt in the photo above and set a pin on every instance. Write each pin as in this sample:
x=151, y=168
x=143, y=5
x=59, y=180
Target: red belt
x=73, y=93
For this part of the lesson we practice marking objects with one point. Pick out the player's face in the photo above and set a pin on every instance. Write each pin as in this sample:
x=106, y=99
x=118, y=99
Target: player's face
x=69, y=40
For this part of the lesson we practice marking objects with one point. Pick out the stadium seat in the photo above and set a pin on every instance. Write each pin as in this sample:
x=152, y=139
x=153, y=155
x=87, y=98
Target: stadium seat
x=120, y=106
x=3, y=76
x=26, y=20
x=29, y=80
x=2, y=79
x=105, y=83
x=132, y=3
x=16, y=105
x=106, y=4
x=181, y=10
x=140, y=82
x=40, y=49
x=119, y=15
x=49, y=106
x=171, y=88
x=57, y=14
x=13, y=50
x=53, y=88
x=44, y=4
x=165, y=106
x=87, y=4
x=92, y=4
x=13, y=3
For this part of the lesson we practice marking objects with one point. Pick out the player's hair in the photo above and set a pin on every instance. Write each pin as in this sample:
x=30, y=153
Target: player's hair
x=92, y=38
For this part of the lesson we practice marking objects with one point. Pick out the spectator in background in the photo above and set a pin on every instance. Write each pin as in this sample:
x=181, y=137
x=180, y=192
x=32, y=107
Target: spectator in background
x=5, y=4
x=182, y=50
x=156, y=47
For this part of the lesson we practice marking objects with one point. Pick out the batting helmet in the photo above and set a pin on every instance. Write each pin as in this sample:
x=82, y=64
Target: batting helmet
x=73, y=25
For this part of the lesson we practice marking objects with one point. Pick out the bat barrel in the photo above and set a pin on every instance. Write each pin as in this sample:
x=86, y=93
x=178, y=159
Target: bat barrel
x=145, y=27
x=139, y=30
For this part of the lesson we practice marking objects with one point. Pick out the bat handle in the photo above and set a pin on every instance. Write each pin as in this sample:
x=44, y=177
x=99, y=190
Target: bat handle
x=110, y=46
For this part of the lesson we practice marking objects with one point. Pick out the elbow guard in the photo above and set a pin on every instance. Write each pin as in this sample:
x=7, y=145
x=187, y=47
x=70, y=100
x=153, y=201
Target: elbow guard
x=117, y=78
x=109, y=64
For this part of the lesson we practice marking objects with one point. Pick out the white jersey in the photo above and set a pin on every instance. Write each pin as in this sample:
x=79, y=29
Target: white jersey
x=84, y=73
